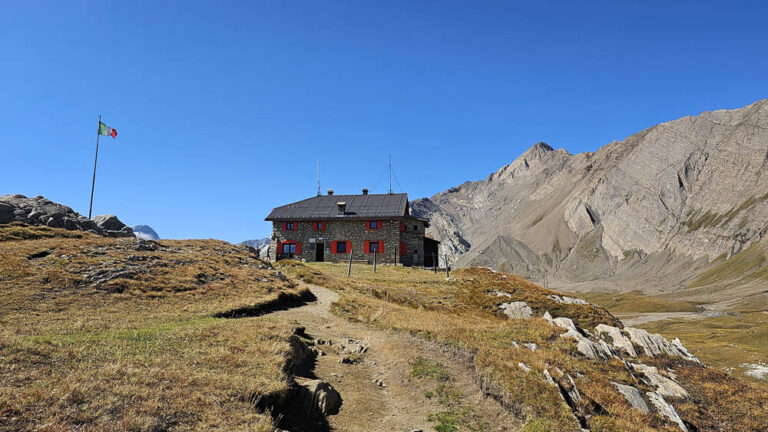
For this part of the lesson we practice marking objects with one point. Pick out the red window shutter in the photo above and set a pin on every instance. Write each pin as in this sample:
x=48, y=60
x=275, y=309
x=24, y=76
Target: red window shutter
x=402, y=248
x=283, y=226
x=367, y=225
x=381, y=246
x=402, y=227
x=367, y=246
x=295, y=226
x=298, y=248
x=378, y=225
x=279, y=248
x=333, y=247
x=349, y=246
x=314, y=226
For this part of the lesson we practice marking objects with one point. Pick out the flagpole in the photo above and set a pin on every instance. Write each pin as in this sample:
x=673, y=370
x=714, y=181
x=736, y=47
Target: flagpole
x=95, y=160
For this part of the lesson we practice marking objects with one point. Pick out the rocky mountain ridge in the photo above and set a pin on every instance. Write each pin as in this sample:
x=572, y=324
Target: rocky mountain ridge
x=656, y=207
x=145, y=232
x=262, y=245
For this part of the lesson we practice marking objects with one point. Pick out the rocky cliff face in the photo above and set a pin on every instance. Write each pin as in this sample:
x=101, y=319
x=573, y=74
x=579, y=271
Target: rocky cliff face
x=41, y=211
x=658, y=205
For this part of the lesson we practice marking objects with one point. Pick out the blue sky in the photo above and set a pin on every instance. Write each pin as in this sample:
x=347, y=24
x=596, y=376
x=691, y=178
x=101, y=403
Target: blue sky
x=223, y=108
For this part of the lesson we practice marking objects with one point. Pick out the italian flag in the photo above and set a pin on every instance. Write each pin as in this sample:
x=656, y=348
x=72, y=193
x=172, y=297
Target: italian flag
x=106, y=130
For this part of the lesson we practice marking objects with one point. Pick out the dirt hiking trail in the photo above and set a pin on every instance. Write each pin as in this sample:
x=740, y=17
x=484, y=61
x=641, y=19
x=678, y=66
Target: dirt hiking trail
x=378, y=391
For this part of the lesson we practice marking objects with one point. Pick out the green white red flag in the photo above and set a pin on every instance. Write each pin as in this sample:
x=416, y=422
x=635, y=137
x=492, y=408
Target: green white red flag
x=106, y=130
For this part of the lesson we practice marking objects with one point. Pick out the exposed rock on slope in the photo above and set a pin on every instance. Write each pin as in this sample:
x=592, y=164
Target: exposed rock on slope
x=657, y=206
x=112, y=226
x=41, y=211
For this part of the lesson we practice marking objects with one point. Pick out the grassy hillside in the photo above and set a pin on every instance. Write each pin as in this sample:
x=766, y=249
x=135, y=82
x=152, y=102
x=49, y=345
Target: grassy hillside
x=463, y=312
x=636, y=302
x=120, y=334
x=107, y=334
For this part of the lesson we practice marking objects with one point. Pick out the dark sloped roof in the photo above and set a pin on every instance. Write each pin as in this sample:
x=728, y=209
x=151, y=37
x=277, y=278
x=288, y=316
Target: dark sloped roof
x=358, y=206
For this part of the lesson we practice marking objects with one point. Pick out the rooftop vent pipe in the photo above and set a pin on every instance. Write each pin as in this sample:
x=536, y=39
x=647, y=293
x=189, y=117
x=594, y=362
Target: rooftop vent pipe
x=330, y=191
x=365, y=191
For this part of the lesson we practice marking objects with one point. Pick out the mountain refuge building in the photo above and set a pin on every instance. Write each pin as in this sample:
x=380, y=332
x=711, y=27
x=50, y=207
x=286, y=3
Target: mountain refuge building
x=333, y=228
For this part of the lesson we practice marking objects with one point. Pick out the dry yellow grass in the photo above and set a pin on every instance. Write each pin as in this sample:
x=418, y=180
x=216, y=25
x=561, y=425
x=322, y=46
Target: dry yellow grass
x=140, y=351
x=463, y=312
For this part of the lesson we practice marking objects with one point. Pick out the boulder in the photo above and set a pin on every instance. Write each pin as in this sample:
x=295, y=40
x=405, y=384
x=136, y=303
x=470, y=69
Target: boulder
x=112, y=226
x=516, y=310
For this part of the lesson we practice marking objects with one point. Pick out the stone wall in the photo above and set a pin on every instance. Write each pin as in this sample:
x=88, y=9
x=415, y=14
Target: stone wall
x=353, y=231
x=413, y=237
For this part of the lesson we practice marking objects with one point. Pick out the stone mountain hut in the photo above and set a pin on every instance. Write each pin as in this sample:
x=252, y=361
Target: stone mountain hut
x=331, y=227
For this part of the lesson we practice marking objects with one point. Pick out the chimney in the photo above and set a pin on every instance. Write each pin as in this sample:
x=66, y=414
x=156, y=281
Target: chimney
x=342, y=207
x=365, y=191
x=330, y=191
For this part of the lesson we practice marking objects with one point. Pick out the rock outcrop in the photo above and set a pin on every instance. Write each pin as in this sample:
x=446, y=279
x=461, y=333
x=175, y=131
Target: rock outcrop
x=657, y=206
x=665, y=409
x=516, y=310
x=41, y=211
x=633, y=396
x=608, y=343
x=112, y=227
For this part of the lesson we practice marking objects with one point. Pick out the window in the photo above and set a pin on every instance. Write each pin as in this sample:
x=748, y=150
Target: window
x=371, y=246
x=341, y=247
x=289, y=226
x=374, y=225
x=318, y=226
x=289, y=248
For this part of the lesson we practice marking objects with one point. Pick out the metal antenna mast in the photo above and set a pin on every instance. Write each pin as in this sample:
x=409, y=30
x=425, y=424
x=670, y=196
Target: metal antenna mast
x=390, y=174
x=318, y=178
